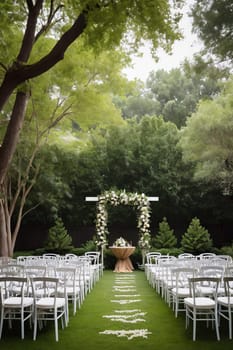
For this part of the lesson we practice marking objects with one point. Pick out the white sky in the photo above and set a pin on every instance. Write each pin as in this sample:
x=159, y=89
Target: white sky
x=182, y=49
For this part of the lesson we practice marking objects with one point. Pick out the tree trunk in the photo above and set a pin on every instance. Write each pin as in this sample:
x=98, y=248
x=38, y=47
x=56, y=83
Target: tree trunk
x=4, y=249
x=12, y=134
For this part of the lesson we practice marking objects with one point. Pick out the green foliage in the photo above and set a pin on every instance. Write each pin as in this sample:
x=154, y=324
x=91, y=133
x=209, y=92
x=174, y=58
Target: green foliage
x=152, y=20
x=212, y=21
x=227, y=250
x=136, y=156
x=178, y=91
x=196, y=239
x=168, y=251
x=165, y=237
x=138, y=105
x=85, y=247
x=174, y=94
x=59, y=240
x=89, y=245
x=207, y=140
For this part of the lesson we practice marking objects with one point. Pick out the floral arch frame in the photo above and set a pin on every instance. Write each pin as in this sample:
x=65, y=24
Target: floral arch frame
x=142, y=204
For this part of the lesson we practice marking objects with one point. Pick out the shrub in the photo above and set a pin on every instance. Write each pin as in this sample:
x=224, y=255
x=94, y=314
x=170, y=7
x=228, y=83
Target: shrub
x=165, y=237
x=227, y=250
x=59, y=241
x=170, y=251
x=197, y=239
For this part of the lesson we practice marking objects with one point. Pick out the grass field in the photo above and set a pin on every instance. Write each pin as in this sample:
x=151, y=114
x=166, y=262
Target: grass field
x=167, y=332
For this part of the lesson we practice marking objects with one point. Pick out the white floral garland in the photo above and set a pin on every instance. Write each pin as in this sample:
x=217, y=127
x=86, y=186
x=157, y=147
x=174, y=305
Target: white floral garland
x=140, y=201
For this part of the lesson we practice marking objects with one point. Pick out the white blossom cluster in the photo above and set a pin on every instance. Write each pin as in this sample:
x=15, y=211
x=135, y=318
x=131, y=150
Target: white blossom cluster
x=140, y=201
x=121, y=242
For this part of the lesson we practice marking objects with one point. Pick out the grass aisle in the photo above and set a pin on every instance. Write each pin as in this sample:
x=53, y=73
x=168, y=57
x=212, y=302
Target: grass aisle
x=115, y=299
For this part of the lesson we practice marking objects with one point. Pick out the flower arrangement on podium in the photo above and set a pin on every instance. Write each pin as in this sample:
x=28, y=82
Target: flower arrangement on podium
x=121, y=242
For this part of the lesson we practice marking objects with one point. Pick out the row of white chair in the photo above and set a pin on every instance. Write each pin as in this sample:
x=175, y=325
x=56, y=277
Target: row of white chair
x=67, y=278
x=171, y=278
x=37, y=301
x=89, y=262
x=200, y=306
x=155, y=262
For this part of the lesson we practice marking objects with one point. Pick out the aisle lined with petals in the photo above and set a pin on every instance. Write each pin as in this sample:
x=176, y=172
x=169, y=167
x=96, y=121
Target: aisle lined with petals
x=121, y=312
x=127, y=300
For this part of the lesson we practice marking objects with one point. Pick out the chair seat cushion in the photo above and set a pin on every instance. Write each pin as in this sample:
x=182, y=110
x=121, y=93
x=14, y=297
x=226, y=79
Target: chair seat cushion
x=49, y=302
x=182, y=292
x=200, y=302
x=224, y=301
x=17, y=301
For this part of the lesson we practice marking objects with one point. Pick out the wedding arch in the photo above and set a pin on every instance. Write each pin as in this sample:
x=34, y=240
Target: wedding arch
x=114, y=198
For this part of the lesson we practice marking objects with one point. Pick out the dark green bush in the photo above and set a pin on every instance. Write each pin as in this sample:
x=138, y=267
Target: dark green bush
x=170, y=251
x=59, y=241
x=196, y=239
x=165, y=237
x=227, y=250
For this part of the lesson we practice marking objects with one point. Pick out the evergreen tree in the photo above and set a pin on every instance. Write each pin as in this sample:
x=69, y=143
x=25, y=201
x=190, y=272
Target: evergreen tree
x=165, y=237
x=196, y=239
x=59, y=240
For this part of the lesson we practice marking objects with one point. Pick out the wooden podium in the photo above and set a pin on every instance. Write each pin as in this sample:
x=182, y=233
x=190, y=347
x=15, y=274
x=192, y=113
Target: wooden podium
x=123, y=263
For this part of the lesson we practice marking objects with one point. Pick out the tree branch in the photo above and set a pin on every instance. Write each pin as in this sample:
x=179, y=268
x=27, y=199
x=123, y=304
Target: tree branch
x=55, y=55
x=3, y=66
x=50, y=22
x=20, y=73
x=29, y=35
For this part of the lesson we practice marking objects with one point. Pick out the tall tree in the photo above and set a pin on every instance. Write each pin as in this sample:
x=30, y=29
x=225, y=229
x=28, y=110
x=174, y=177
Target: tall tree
x=174, y=94
x=179, y=91
x=212, y=21
x=207, y=140
x=41, y=126
x=102, y=23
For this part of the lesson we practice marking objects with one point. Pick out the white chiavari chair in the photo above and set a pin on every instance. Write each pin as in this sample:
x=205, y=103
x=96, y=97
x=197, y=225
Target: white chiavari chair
x=48, y=306
x=202, y=308
x=14, y=303
x=225, y=303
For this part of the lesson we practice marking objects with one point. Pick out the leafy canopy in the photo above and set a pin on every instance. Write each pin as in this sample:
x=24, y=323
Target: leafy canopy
x=207, y=139
x=213, y=23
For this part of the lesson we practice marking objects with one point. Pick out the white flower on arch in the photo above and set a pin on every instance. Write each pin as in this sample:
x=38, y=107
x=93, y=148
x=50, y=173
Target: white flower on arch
x=142, y=204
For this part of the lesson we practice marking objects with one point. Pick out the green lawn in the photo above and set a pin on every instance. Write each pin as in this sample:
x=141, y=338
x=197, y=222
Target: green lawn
x=167, y=332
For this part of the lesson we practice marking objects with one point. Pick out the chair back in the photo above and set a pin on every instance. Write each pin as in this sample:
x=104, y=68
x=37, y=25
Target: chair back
x=12, y=286
x=196, y=284
x=182, y=276
x=44, y=287
x=228, y=286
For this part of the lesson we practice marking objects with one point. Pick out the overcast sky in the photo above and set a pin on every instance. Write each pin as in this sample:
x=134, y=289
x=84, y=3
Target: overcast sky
x=182, y=49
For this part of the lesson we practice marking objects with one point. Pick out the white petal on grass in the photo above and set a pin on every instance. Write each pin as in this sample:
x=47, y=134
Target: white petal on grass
x=126, y=301
x=126, y=295
x=129, y=334
x=127, y=311
x=128, y=318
